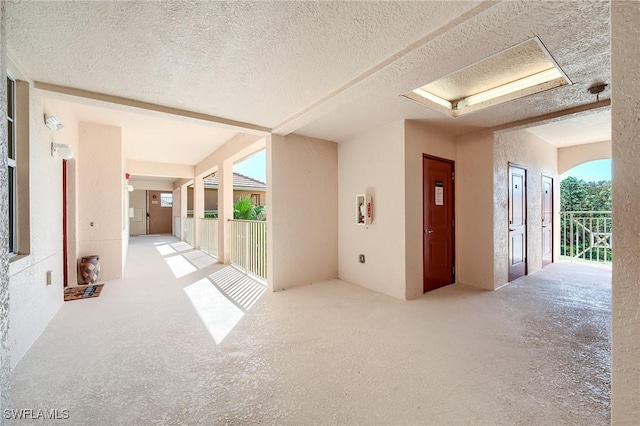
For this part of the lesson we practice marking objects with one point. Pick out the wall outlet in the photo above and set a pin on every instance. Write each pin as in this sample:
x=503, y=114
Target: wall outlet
x=49, y=277
x=361, y=258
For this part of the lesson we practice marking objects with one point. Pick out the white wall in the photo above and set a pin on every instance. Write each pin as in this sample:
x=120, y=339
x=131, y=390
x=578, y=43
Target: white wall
x=102, y=212
x=625, y=73
x=538, y=157
x=373, y=163
x=33, y=303
x=474, y=210
x=302, y=194
x=419, y=139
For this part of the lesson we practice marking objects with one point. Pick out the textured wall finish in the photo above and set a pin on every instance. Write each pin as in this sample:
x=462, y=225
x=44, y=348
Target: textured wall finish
x=419, y=139
x=33, y=302
x=5, y=386
x=302, y=195
x=538, y=158
x=474, y=210
x=373, y=163
x=101, y=197
x=625, y=68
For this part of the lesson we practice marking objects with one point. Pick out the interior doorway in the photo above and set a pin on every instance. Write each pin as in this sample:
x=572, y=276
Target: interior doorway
x=438, y=222
x=517, y=222
x=159, y=212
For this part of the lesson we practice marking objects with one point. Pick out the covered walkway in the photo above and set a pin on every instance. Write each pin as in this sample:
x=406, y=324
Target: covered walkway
x=155, y=348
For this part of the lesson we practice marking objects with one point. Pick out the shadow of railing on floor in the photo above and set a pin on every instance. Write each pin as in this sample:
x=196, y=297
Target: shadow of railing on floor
x=222, y=299
x=238, y=287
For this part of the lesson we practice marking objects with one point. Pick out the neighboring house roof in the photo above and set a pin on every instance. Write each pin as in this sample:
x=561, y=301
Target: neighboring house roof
x=240, y=181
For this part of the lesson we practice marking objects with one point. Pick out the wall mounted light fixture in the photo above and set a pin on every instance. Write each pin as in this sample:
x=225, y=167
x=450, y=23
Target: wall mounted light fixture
x=62, y=150
x=53, y=122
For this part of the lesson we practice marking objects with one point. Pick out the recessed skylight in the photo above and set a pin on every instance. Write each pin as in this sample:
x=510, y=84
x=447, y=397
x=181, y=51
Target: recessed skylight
x=519, y=71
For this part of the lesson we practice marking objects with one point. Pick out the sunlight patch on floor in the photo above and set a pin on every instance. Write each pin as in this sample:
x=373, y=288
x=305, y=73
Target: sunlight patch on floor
x=218, y=314
x=165, y=249
x=199, y=259
x=180, y=266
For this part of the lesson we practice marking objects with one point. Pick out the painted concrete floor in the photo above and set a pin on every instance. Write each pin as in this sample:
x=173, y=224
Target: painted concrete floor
x=156, y=349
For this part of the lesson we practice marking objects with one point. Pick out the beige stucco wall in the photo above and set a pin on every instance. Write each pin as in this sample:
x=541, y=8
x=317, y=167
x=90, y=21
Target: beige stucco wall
x=419, y=139
x=101, y=198
x=474, y=210
x=625, y=70
x=33, y=302
x=571, y=156
x=538, y=157
x=373, y=163
x=302, y=194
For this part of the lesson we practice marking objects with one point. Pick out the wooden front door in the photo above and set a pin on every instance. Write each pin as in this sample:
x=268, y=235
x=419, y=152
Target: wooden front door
x=547, y=220
x=438, y=226
x=159, y=212
x=517, y=222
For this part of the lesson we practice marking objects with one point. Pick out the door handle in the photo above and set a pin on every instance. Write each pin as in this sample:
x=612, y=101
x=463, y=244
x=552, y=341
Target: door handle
x=428, y=231
x=511, y=230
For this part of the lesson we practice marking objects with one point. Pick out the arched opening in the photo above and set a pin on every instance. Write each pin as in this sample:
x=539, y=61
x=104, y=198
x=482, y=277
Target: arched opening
x=585, y=212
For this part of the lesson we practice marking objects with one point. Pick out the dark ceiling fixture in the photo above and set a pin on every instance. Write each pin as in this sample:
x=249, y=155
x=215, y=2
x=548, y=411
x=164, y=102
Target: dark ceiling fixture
x=596, y=89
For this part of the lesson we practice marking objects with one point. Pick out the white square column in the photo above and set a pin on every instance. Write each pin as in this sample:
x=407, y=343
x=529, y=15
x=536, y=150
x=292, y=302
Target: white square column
x=198, y=209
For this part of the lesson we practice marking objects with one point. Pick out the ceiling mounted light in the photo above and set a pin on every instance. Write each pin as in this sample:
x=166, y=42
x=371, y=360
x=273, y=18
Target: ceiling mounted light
x=62, y=150
x=524, y=69
x=53, y=122
x=515, y=86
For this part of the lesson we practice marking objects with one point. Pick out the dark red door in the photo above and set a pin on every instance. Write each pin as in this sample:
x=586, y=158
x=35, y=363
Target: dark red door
x=547, y=220
x=438, y=229
x=517, y=222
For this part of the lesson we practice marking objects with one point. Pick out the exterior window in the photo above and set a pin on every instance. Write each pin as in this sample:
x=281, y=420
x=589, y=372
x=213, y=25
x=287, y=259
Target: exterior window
x=255, y=199
x=166, y=200
x=11, y=149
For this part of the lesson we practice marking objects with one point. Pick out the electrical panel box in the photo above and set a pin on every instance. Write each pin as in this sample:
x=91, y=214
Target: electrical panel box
x=364, y=209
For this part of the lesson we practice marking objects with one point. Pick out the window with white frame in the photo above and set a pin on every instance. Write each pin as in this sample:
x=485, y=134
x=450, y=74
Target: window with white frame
x=12, y=150
x=18, y=167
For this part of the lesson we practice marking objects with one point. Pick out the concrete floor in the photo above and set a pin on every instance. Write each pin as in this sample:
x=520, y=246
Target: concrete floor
x=534, y=352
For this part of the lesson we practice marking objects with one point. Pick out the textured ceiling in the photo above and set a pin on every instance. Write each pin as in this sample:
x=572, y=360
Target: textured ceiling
x=323, y=69
x=257, y=62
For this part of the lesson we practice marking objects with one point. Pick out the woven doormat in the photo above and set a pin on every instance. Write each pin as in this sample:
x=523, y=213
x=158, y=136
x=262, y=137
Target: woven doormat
x=82, y=292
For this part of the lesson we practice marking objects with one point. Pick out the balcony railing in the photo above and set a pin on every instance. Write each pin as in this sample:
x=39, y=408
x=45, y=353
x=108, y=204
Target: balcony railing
x=586, y=236
x=209, y=236
x=188, y=230
x=249, y=246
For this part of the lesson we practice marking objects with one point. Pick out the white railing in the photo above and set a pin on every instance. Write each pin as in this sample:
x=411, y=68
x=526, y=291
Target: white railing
x=176, y=226
x=249, y=246
x=188, y=230
x=586, y=236
x=209, y=236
